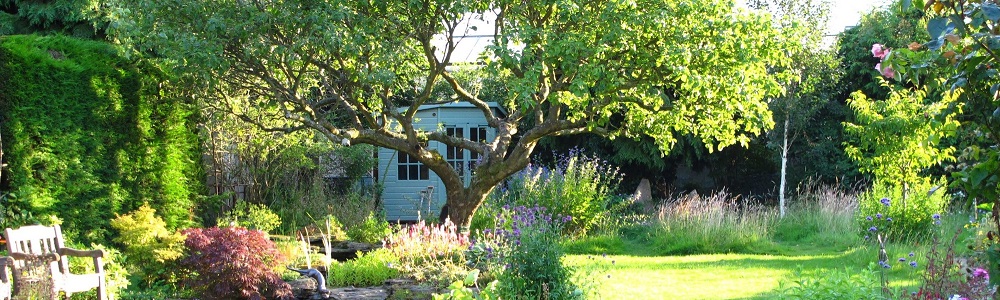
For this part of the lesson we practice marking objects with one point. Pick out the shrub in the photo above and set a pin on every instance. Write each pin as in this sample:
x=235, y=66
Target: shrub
x=372, y=230
x=430, y=251
x=462, y=289
x=577, y=186
x=233, y=263
x=911, y=218
x=525, y=253
x=149, y=246
x=369, y=269
x=251, y=216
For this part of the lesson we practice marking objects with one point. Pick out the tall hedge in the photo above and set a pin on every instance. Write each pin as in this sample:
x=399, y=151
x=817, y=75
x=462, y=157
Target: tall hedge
x=88, y=133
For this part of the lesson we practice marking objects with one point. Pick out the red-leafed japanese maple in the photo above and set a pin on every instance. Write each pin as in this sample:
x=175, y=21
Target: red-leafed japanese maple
x=233, y=263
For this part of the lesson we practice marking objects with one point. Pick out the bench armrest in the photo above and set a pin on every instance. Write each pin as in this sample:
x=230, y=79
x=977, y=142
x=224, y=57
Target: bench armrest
x=29, y=256
x=80, y=253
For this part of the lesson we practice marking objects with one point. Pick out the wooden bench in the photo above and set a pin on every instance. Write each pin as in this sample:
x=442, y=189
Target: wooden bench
x=40, y=265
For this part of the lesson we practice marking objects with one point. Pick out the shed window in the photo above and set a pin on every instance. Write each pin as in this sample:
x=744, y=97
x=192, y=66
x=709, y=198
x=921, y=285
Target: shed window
x=476, y=135
x=455, y=155
x=409, y=168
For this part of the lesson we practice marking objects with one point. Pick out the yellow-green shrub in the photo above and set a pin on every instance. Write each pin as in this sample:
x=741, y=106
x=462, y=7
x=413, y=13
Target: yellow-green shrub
x=149, y=246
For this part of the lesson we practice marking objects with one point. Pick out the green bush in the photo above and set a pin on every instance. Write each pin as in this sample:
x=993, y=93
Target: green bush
x=251, y=216
x=911, y=218
x=369, y=269
x=150, y=248
x=524, y=254
x=373, y=229
x=577, y=186
x=88, y=133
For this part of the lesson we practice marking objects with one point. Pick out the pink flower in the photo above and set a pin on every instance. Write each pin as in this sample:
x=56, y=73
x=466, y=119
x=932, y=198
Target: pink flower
x=888, y=72
x=879, y=51
x=981, y=273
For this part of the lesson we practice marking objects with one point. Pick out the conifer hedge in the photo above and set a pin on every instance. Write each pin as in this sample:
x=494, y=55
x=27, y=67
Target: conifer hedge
x=89, y=133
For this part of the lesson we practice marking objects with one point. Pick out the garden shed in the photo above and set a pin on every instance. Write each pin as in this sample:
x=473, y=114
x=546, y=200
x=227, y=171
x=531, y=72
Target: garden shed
x=411, y=190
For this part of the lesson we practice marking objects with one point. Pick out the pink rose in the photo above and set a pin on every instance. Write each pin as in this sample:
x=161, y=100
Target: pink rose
x=888, y=72
x=879, y=51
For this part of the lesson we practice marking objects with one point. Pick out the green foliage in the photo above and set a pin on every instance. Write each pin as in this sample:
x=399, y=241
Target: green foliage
x=836, y=285
x=912, y=217
x=150, y=248
x=79, y=18
x=523, y=251
x=462, y=289
x=373, y=229
x=252, y=216
x=959, y=56
x=333, y=228
x=892, y=26
x=369, y=269
x=578, y=186
x=89, y=134
x=898, y=138
x=616, y=70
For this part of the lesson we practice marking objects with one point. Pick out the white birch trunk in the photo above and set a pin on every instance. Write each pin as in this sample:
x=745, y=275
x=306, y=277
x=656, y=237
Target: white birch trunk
x=784, y=165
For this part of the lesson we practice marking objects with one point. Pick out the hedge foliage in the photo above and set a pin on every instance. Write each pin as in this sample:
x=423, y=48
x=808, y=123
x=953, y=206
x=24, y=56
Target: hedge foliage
x=89, y=133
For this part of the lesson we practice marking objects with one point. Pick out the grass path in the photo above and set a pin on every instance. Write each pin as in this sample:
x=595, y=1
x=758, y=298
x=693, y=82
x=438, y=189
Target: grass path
x=717, y=276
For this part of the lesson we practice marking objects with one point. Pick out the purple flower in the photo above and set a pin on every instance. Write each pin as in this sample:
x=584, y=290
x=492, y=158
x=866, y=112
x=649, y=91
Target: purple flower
x=981, y=273
x=872, y=229
x=888, y=219
x=936, y=216
x=869, y=218
x=938, y=222
x=867, y=237
x=913, y=264
x=911, y=254
x=885, y=201
x=902, y=259
x=878, y=216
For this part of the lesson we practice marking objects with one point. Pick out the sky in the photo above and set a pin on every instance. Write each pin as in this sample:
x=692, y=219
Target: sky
x=846, y=13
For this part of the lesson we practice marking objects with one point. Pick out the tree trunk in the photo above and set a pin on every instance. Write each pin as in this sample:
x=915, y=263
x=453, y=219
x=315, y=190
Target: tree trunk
x=463, y=205
x=784, y=168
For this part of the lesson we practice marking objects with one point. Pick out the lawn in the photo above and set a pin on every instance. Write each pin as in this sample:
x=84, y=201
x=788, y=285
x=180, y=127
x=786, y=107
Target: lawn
x=718, y=276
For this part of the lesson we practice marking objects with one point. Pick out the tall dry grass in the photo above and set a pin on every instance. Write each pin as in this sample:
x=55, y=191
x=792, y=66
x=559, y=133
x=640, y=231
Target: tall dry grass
x=822, y=214
x=716, y=223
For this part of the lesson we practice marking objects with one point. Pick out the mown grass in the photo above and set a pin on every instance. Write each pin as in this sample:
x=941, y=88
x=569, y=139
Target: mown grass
x=724, y=276
x=714, y=249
